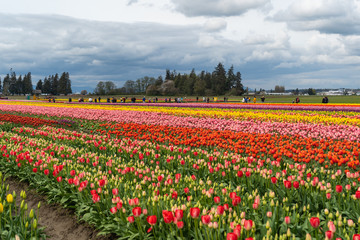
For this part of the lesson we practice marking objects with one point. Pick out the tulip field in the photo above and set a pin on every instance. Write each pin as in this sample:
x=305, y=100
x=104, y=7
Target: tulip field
x=192, y=170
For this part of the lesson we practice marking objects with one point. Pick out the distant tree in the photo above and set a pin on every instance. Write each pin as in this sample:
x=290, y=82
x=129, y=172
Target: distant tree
x=39, y=85
x=231, y=79
x=152, y=90
x=12, y=87
x=109, y=87
x=46, y=88
x=238, y=85
x=159, y=81
x=219, y=80
x=19, y=86
x=199, y=87
x=168, y=88
x=54, y=83
x=83, y=92
x=130, y=87
x=68, y=84
x=311, y=91
x=100, y=88
x=61, y=89
x=6, y=85
x=279, y=89
x=0, y=85
x=27, y=84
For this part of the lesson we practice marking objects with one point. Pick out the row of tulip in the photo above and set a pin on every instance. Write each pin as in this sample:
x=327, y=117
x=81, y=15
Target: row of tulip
x=17, y=222
x=143, y=189
x=306, y=130
x=239, y=113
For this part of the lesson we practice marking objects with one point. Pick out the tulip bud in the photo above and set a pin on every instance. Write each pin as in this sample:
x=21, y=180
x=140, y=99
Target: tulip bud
x=31, y=214
x=326, y=211
x=39, y=204
x=34, y=223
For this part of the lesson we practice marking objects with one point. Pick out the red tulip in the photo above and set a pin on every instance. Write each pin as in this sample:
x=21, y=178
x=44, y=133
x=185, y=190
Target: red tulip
x=119, y=205
x=296, y=184
x=46, y=172
x=101, y=182
x=115, y=191
x=72, y=172
x=240, y=173
x=113, y=210
x=232, y=195
x=248, y=224
x=217, y=199
x=274, y=180
x=59, y=179
x=248, y=174
x=179, y=214
x=357, y=194
x=180, y=224
x=95, y=198
x=131, y=219
x=287, y=220
x=194, y=212
x=151, y=220
x=206, y=219
x=315, y=222
x=329, y=235
x=136, y=211
x=226, y=206
x=328, y=195
x=338, y=188
x=186, y=190
x=35, y=170
x=356, y=236
x=231, y=236
x=236, y=200
x=168, y=216
x=287, y=184
x=220, y=210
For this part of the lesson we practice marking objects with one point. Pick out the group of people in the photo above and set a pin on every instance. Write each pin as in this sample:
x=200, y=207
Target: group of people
x=325, y=100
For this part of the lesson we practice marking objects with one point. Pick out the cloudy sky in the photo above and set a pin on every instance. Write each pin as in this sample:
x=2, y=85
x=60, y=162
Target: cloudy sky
x=295, y=43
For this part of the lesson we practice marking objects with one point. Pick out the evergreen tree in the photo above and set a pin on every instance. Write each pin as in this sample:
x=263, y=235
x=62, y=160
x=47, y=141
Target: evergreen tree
x=238, y=85
x=0, y=85
x=19, y=86
x=231, y=79
x=68, y=84
x=54, y=80
x=39, y=85
x=62, y=84
x=46, y=88
x=27, y=84
x=6, y=85
x=219, y=80
x=12, y=87
x=199, y=87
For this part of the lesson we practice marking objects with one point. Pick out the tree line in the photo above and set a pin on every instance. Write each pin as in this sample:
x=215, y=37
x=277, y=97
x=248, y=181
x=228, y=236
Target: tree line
x=54, y=85
x=13, y=85
x=218, y=82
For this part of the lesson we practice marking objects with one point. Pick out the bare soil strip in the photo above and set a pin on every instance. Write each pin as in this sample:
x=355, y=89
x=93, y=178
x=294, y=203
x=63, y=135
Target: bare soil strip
x=59, y=223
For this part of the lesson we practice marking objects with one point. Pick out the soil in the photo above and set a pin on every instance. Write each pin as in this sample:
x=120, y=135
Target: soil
x=59, y=223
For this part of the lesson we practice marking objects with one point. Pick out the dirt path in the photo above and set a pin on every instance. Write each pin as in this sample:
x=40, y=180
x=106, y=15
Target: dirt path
x=60, y=223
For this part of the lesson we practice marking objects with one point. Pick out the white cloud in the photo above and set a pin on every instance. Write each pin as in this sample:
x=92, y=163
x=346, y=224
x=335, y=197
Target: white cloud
x=326, y=16
x=215, y=25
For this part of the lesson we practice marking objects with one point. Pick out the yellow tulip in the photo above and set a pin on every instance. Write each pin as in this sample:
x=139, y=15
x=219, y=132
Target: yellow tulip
x=9, y=198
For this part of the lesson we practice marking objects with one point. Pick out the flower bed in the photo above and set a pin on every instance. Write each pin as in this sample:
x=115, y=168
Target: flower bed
x=158, y=181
